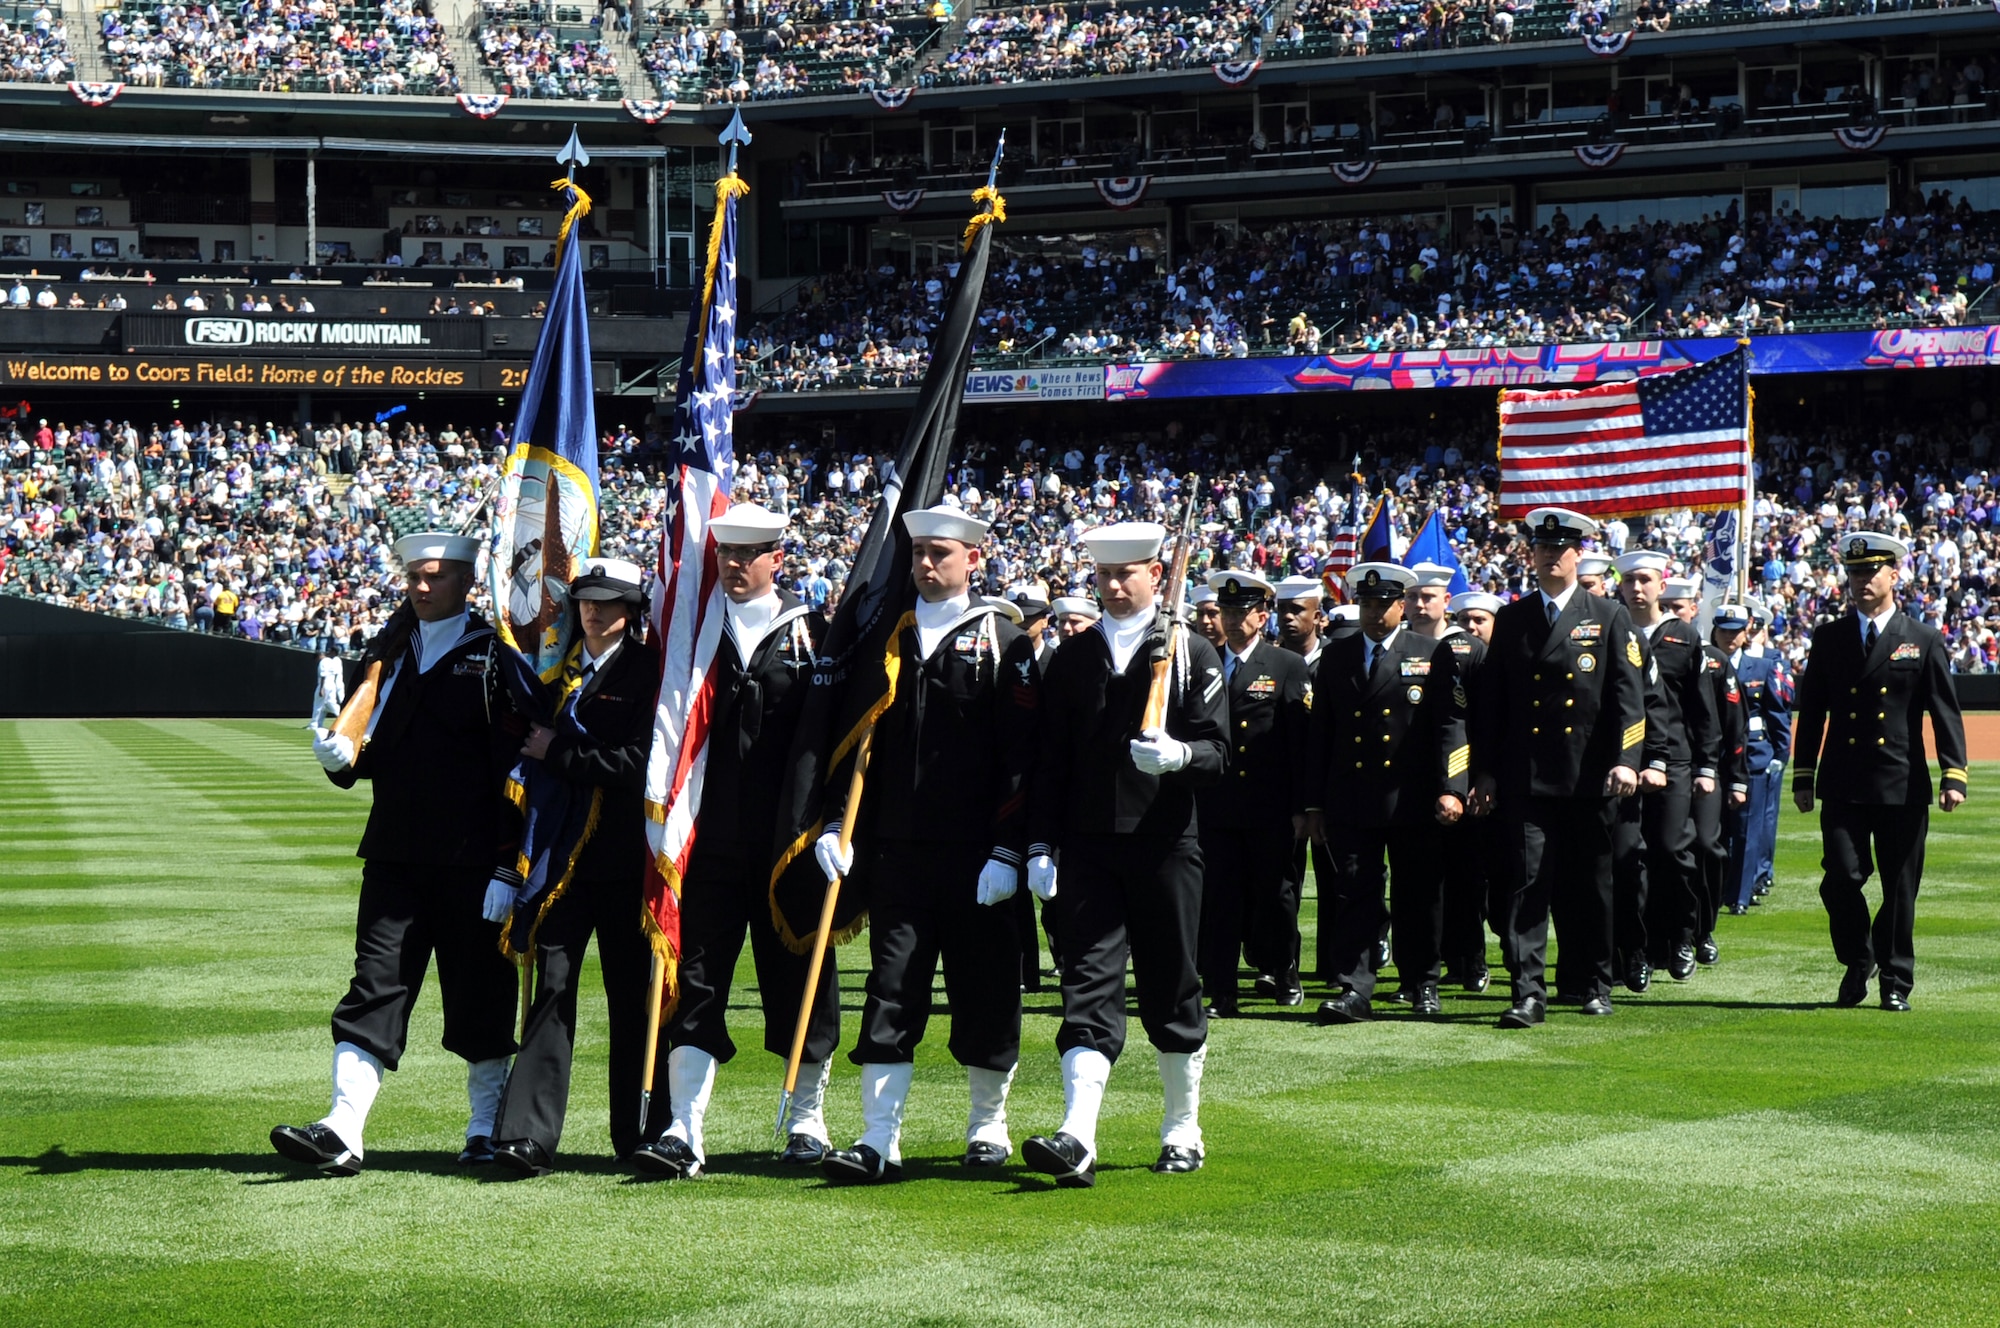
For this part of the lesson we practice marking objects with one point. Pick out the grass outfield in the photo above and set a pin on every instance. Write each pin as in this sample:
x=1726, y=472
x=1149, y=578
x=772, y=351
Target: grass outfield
x=176, y=914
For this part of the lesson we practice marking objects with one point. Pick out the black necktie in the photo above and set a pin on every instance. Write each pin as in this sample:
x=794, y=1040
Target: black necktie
x=1374, y=658
x=1554, y=609
x=1868, y=637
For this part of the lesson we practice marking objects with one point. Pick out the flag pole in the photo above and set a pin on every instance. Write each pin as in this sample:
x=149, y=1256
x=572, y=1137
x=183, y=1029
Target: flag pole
x=821, y=937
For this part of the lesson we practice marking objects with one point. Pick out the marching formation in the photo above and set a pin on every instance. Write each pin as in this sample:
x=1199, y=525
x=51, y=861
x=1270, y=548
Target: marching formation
x=1162, y=778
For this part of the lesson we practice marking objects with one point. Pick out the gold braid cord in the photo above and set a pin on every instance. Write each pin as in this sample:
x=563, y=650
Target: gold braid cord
x=985, y=193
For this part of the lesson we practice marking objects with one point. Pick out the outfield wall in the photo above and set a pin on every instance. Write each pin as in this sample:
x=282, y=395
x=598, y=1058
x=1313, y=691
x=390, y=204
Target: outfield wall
x=57, y=661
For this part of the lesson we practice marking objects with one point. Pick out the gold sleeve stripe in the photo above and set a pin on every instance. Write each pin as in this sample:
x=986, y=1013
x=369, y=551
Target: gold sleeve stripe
x=1634, y=736
x=1455, y=764
x=1953, y=772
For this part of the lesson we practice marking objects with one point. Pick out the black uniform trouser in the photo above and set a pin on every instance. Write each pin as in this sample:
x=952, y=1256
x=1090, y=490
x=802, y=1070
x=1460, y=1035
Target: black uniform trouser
x=1123, y=897
x=1249, y=900
x=923, y=907
x=721, y=897
x=1409, y=862
x=407, y=913
x=1711, y=853
x=1558, y=852
x=537, y=1096
x=1021, y=909
x=1860, y=838
x=1467, y=850
x=1326, y=889
x=1662, y=916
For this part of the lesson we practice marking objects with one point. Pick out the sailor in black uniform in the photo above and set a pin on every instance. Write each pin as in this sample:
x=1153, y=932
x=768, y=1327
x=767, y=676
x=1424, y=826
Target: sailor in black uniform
x=1115, y=797
x=763, y=665
x=438, y=745
x=941, y=840
x=1302, y=630
x=1732, y=777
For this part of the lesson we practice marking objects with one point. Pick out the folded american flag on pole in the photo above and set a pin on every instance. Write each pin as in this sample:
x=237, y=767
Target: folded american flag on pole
x=1669, y=443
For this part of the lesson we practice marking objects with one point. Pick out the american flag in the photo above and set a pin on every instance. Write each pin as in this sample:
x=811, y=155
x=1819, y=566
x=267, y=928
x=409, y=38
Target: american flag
x=1674, y=442
x=1342, y=553
x=687, y=601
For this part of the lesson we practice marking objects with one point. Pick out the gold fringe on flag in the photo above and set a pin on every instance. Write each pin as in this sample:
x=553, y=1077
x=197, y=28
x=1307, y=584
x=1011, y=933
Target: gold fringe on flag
x=579, y=207
x=728, y=187
x=663, y=948
x=561, y=887
x=985, y=193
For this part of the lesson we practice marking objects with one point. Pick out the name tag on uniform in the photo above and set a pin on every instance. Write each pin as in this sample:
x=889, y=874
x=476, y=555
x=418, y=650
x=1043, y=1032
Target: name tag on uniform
x=1262, y=687
x=1416, y=668
x=1756, y=723
x=1585, y=634
x=1907, y=650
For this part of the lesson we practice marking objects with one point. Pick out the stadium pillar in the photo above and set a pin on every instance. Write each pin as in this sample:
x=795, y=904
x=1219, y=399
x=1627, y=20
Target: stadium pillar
x=263, y=206
x=305, y=412
x=312, y=209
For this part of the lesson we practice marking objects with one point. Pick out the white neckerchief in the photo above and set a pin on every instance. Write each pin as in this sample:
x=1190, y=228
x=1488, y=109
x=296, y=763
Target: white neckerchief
x=749, y=622
x=1123, y=635
x=435, y=639
x=934, y=621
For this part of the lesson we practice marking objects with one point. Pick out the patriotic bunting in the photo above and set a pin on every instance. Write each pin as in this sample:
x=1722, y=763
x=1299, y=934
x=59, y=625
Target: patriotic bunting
x=1353, y=172
x=1235, y=73
x=1861, y=138
x=1607, y=44
x=648, y=112
x=482, y=105
x=1122, y=192
x=1597, y=156
x=95, y=94
x=891, y=99
x=902, y=200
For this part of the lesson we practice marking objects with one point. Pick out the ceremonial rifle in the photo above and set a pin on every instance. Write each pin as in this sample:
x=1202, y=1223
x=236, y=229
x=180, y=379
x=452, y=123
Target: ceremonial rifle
x=1175, y=586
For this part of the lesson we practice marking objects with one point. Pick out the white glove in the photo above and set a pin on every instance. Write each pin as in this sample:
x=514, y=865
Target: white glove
x=827, y=852
x=333, y=750
x=499, y=900
x=1042, y=876
x=1157, y=754
x=997, y=880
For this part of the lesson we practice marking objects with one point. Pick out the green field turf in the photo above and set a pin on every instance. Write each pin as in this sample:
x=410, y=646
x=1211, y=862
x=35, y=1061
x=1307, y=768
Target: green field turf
x=176, y=911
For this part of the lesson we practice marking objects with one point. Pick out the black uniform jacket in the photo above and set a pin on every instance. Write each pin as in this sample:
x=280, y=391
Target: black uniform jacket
x=951, y=758
x=1681, y=722
x=1870, y=710
x=1270, y=703
x=750, y=737
x=1085, y=782
x=443, y=743
x=1557, y=705
x=1732, y=719
x=1383, y=748
x=603, y=741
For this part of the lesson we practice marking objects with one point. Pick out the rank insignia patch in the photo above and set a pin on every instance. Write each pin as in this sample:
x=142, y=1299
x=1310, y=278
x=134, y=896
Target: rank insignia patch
x=1632, y=649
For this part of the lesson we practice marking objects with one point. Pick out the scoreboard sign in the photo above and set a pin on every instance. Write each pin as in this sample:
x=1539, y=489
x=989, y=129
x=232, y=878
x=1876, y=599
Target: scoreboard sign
x=256, y=371
x=285, y=334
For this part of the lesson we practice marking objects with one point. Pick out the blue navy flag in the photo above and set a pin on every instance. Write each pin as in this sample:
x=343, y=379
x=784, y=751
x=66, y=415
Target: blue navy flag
x=1432, y=545
x=1378, y=541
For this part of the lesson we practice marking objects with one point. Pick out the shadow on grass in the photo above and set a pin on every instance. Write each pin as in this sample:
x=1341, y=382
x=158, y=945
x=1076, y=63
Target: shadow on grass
x=259, y=1168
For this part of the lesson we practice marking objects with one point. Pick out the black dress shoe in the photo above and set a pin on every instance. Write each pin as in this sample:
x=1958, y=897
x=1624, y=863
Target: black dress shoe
x=1350, y=1007
x=1062, y=1156
x=1292, y=995
x=859, y=1165
x=1175, y=1160
x=1424, y=1000
x=1400, y=996
x=1381, y=956
x=1705, y=951
x=1854, y=986
x=1639, y=975
x=1524, y=1013
x=1897, y=1001
x=478, y=1151
x=980, y=1153
x=1761, y=889
x=1739, y=910
x=1475, y=978
x=668, y=1158
x=1266, y=986
x=523, y=1157
x=1596, y=1006
x=802, y=1150
x=1224, y=1010
x=1681, y=967
x=317, y=1145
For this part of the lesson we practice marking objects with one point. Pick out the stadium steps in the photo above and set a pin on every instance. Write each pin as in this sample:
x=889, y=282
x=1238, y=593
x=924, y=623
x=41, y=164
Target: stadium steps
x=948, y=41
x=86, y=46
x=461, y=20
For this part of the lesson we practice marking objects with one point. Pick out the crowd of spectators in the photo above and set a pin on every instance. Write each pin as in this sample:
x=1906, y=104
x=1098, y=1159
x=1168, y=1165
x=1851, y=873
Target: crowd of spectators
x=1053, y=41
x=275, y=534
x=35, y=48
x=786, y=50
x=534, y=60
x=282, y=46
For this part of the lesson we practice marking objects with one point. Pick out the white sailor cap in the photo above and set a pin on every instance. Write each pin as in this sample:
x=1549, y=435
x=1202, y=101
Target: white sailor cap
x=1870, y=548
x=945, y=523
x=1644, y=560
x=1300, y=587
x=1732, y=617
x=1236, y=589
x=1379, y=580
x=441, y=544
x=1074, y=606
x=1474, y=599
x=1760, y=611
x=1006, y=606
x=1680, y=587
x=1431, y=574
x=1559, y=525
x=608, y=578
x=1201, y=595
x=1593, y=564
x=1346, y=613
x=748, y=525
x=1124, y=542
